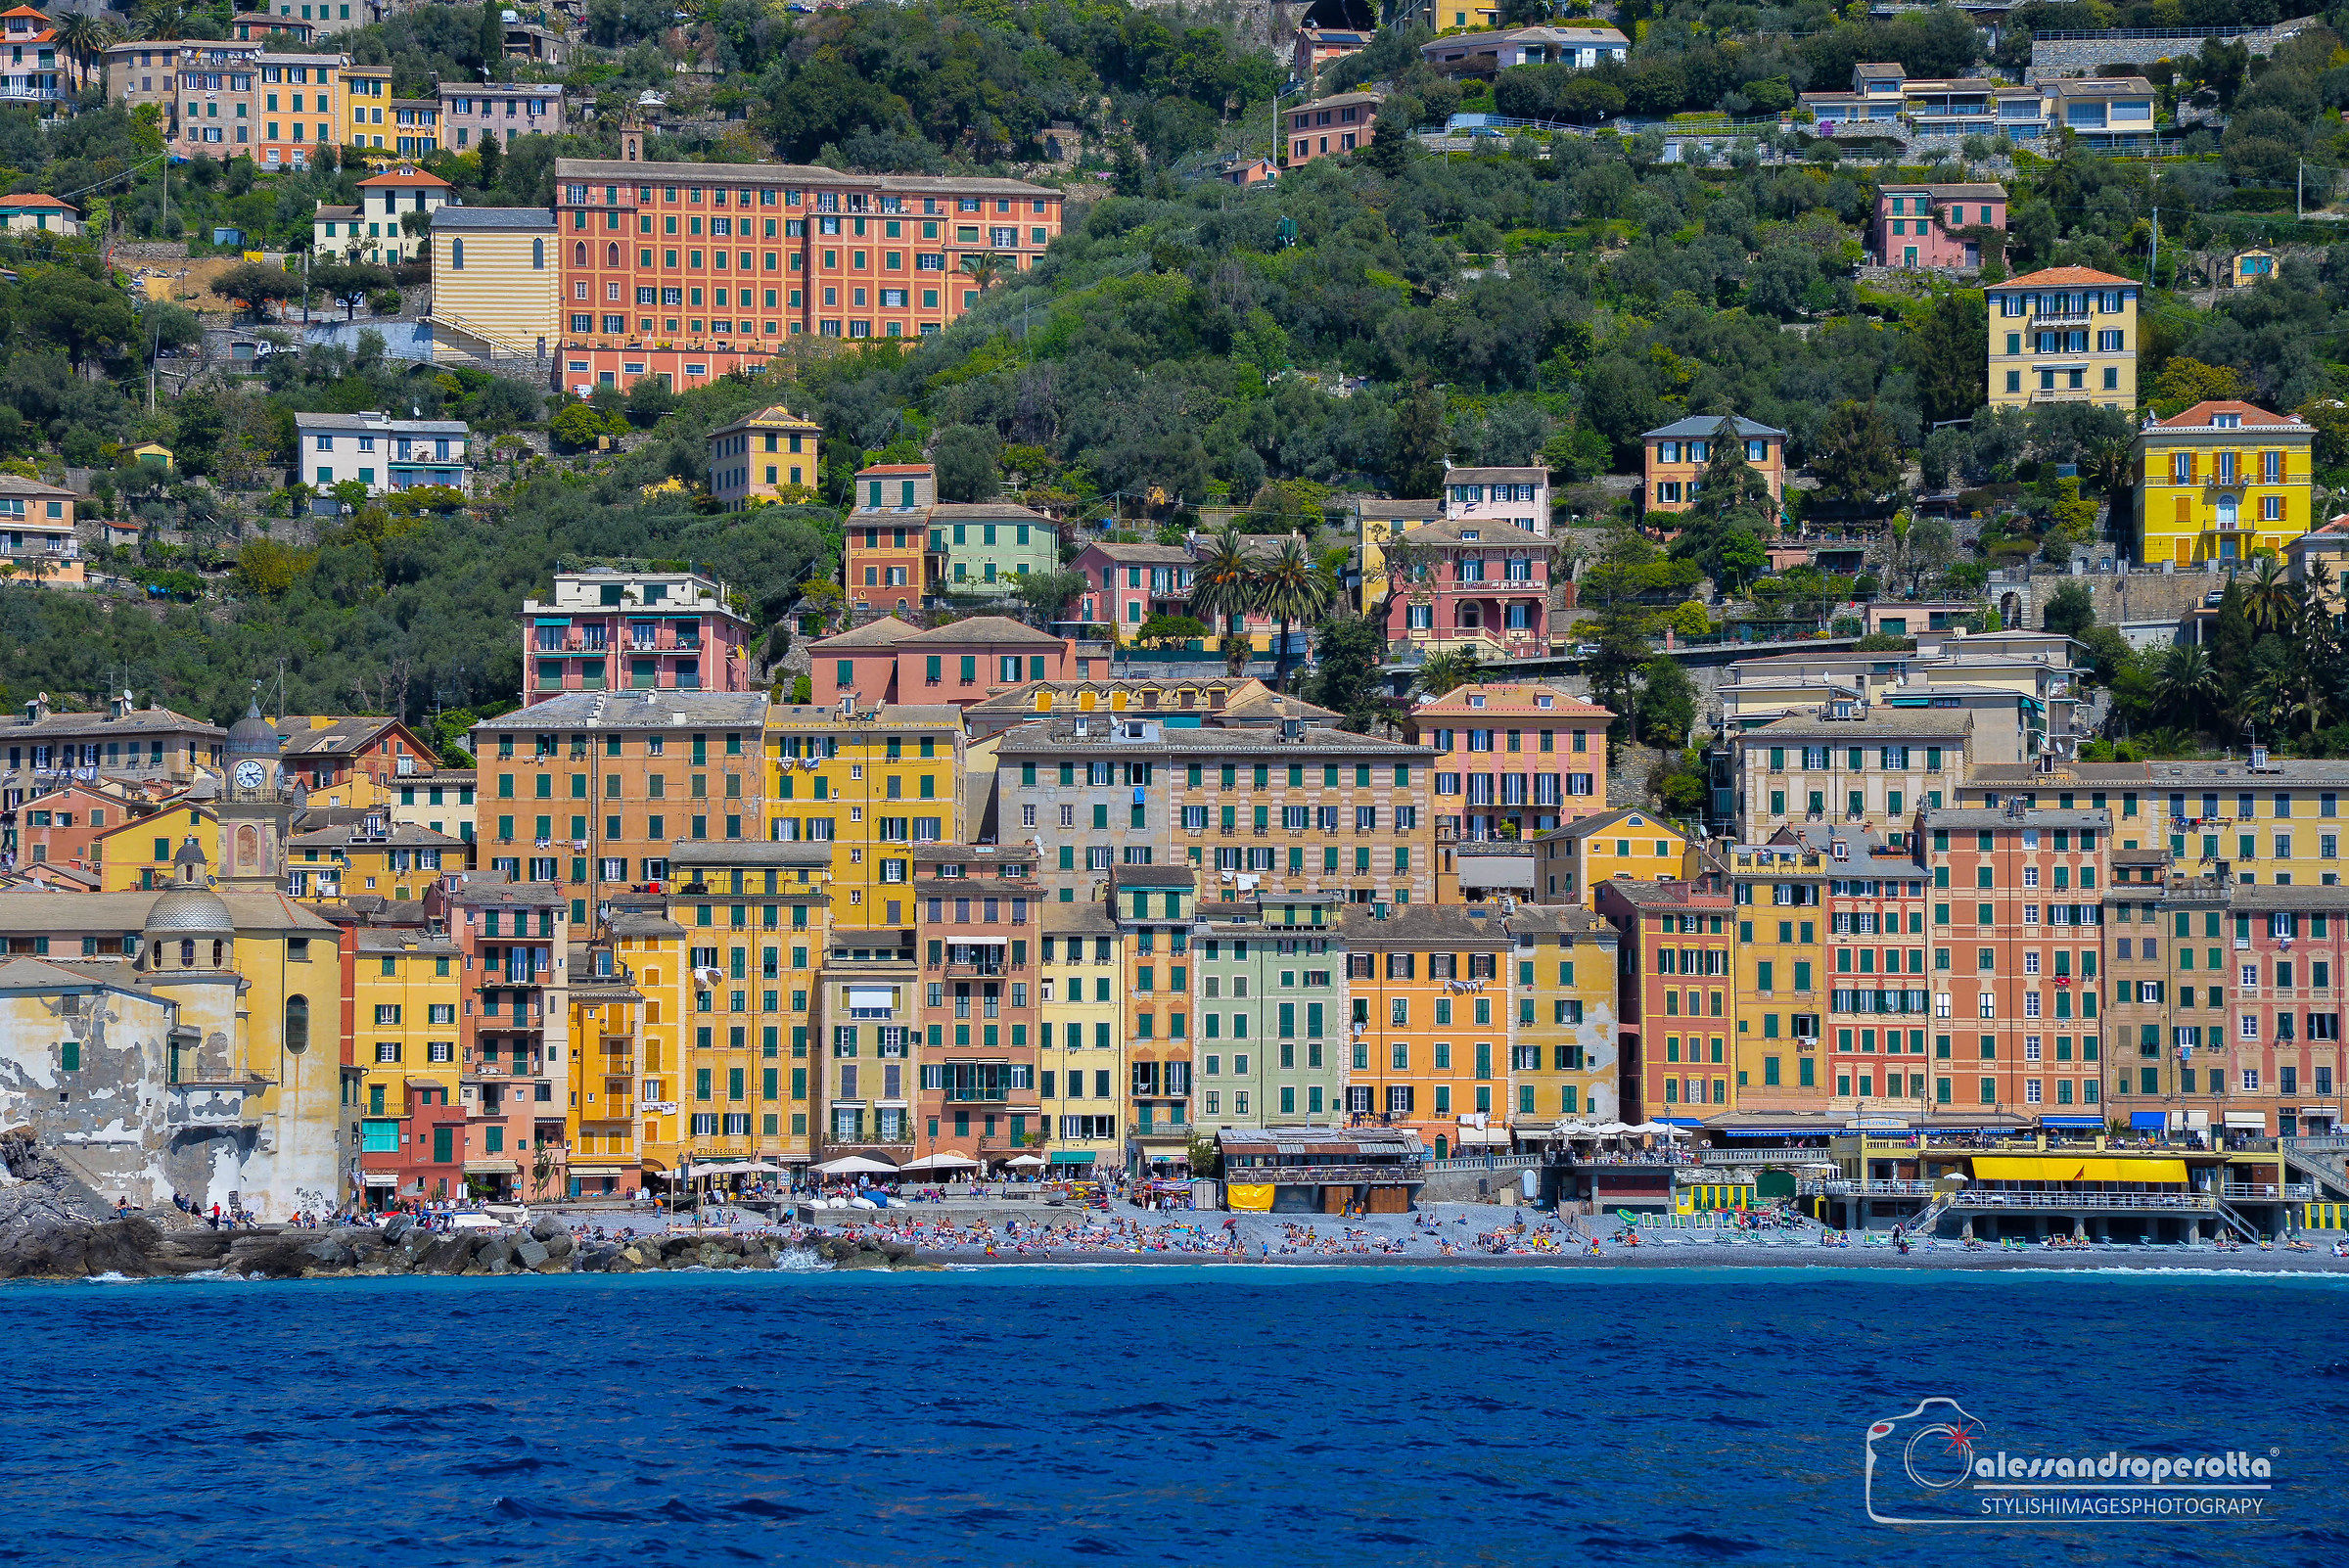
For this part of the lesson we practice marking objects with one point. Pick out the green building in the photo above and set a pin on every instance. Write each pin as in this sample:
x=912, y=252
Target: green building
x=977, y=547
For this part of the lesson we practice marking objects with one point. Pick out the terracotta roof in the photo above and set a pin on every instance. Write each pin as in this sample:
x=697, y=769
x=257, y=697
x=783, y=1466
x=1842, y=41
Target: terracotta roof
x=987, y=628
x=37, y=201
x=2252, y=415
x=886, y=632
x=406, y=177
x=2063, y=278
x=895, y=468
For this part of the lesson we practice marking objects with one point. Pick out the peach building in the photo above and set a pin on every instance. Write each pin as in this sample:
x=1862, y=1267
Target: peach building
x=1675, y=456
x=1330, y=126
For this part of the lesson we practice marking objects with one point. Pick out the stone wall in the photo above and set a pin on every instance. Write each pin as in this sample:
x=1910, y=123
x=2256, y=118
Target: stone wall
x=2145, y=598
x=2052, y=58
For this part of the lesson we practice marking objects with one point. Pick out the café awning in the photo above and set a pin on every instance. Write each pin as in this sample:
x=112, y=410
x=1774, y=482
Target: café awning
x=379, y=1179
x=491, y=1168
x=2073, y=1169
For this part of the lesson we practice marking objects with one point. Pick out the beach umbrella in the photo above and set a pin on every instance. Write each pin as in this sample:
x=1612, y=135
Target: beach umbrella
x=944, y=1160
x=857, y=1165
x=1023, y=1159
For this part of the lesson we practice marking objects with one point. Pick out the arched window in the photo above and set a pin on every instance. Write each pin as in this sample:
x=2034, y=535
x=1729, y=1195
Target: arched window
x=249, y=847
x=579, y=254
x=611, y=255
x=187, y=953
x=216, y=953
x=298, y=1022
x=456, y=254
x=537, y=255
x=2227, y=512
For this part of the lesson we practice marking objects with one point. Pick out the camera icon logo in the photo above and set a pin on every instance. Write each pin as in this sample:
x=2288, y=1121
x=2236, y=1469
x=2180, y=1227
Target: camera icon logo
x=1920, y=1465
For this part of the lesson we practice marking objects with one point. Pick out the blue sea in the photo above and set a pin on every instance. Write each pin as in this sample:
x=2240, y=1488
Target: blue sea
x=1157, y=1416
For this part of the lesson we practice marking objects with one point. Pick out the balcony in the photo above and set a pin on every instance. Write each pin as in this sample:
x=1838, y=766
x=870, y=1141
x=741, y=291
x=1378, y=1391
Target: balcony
x=2059, y=318
x=2270, y=1192
x=1339, y=1175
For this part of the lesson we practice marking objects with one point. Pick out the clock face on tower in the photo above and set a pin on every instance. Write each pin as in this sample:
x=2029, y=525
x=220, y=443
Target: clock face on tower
x=249, y=773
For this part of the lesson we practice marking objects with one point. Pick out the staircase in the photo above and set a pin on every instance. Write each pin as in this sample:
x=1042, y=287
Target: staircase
x=2324, y=1161
x=1930, y=1215
x=495, y=348
x=2244, y=1229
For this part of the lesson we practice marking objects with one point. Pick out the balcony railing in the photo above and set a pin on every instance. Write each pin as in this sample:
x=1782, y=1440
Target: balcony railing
x=1313, y=1174
x=2271, y=1191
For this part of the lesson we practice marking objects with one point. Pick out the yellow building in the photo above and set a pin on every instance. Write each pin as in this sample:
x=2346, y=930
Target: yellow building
x=1563, y=1061
x=137, y=854
x=1375, y=524
x=375, y=855
x=406, y=982
x=647, y=948
x=496, y=283
x=367, y=90
x=605, y=1030
x=2221, y=481
x=770, y=455
x=1778, y=973
x=871, y=787
x=1081, y=1025
x=2065, y=335
x=1573, y=861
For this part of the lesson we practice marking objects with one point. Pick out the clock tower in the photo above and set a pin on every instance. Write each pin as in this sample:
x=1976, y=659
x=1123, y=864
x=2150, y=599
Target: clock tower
x=256, y=807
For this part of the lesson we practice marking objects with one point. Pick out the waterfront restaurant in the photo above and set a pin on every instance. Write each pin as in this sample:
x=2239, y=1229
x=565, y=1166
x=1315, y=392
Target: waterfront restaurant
x=1314, y=1170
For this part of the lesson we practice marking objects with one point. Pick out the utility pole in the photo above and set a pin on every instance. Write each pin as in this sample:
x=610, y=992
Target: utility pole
x=2154, y=266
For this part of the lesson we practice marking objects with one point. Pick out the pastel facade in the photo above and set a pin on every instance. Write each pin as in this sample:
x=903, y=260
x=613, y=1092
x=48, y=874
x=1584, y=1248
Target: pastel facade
x=1329, y=127
x=1675, y=456
x=2221, y=481
x=39, y=213
x=767, y=456
x=232, y=98
x=1512, y=759
x=1920, y=226
x=496, y=286
x=36, y=531
x=608, y=629
x=389, y=198
x=1125, y=585
x=473, y=113
x=381, y=453
x=1483, y=585
x=2063, y=335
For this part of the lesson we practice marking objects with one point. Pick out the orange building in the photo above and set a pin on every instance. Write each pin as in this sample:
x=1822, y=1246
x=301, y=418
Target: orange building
x=1431, y=1023
x=1676, y=456
x=881, y=567
x=1675, y=947
x=2017, y=908
x=978, y=911
x=1329, y=127
x=695, y=271
x=62, y=826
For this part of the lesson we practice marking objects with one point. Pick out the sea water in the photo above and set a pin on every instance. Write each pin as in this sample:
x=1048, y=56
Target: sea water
x=1159, y=1417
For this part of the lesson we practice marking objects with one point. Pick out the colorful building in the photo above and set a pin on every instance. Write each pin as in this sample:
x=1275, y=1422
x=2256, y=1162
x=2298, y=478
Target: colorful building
x=1080, y=1034
x=977, y=927
x=1480, y=585
x=514, y=1019
x=884, y=563
x=977, y=548
x=770, y=455
x=1329, y=127
x=871, y=786
x=1271, y=1020
x=1430, y=995
x=1564, y=1055
x=1125, y=585
x=696, y=270
x=2063, y=335
x=1572, y=863
x=2221, y=481
x=496, y=285
x=1675, y=987
x=606, y=628
x=1483, y=735
x=1676, y=456
x=1923, y=226
x=1154, y=907
x=1779, y=991
x=1867, y=773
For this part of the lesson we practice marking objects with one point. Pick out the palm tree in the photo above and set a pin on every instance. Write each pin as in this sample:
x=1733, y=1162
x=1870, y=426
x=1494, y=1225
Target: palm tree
x=1291, y=587
x=161, y=18
x=1447, y=671
x=81, y=37
x=1224, y=588
x=2268, y=602
x=2185, y=680
x=982, y=268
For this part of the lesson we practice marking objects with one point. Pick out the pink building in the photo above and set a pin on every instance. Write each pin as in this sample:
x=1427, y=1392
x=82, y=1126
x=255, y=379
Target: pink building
x=860, y=663
x=1918, y=225
x=962, y=662
x=1483, y=584
x=1125, y=584
x=614, y=629
x=1330, y=127
x=1519, y=496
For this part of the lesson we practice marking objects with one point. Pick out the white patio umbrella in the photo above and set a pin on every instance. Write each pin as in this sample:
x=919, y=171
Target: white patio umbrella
x=1023, y=1159
x=1611, y=1130
x=857, y=1165
x=944, y=1160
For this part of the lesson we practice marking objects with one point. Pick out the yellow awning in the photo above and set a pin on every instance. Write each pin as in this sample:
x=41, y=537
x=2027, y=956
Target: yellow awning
x=2077, y=1167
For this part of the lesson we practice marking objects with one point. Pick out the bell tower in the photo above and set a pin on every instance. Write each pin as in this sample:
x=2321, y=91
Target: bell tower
x=256, y=805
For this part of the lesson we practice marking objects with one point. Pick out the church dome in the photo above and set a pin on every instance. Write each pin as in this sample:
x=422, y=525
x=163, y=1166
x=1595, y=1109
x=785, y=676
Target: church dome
x=190, y=908
x=252, y=735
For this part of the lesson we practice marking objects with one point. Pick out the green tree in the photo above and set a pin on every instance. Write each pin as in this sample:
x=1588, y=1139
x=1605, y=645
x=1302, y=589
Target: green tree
x=648, y=397
x=1943, y=350
x=1224, y=588
x=1667, y=703
x=1857, y=458
x=2071, y=612
x=257, y=286
x=1167, y=631
x=1045, y=594
x=1346, y=665
x=577, y=426
x=1445, y=672
x=2186, y=682
x=1420, y=442
x=348, y=283
x=966, y=457
x=78, y=313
